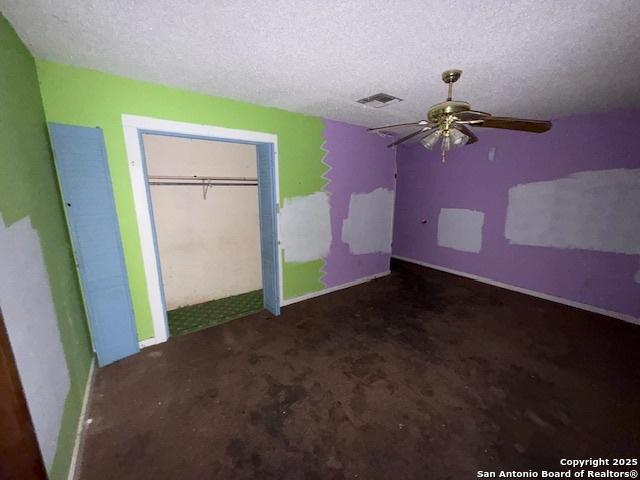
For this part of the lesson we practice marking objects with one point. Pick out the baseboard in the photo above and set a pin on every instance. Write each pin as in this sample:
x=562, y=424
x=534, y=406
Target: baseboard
x=533, y=293
x=148, y=342
x=334, y=289
x=77, y=450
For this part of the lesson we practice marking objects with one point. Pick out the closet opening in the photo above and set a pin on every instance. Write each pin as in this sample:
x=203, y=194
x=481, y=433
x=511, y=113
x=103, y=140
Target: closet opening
x=205, y=209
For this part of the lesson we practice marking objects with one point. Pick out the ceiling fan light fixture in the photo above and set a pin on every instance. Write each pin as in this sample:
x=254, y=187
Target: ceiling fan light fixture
x=458, y=139
x=446, y=144
x=430, y=140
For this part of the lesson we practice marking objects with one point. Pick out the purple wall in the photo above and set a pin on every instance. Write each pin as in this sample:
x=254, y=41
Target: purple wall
x=359, y=163
x=470, y=180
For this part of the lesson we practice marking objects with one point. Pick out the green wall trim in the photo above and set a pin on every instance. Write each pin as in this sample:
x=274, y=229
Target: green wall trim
x=91, y=98
x=29, y=189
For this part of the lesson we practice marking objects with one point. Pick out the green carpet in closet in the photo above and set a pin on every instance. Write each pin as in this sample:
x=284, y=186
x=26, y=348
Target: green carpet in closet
x=196, y=317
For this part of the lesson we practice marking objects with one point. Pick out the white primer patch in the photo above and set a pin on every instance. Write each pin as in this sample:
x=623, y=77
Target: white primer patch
x=592, y=210
x=31, y=321
x=492, y=154
x=305, y=227
x=369, y=225
x=460, y=229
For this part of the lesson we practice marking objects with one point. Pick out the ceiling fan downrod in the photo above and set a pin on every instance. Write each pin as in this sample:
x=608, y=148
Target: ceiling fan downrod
x=450, y=77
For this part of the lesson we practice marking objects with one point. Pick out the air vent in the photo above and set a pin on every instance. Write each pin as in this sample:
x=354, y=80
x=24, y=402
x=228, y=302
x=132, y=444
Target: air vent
x=379, y=100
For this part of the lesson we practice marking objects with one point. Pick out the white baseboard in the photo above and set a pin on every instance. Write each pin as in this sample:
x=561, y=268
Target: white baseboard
x=148, y=342
x=533, y=293
x=334, y=289
x=81, y=423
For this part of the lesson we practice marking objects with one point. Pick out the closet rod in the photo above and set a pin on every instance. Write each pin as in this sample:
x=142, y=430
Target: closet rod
x=208, y=184
x=197, y=177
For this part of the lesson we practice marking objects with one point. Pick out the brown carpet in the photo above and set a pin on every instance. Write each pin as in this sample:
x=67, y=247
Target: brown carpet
x=418, y=375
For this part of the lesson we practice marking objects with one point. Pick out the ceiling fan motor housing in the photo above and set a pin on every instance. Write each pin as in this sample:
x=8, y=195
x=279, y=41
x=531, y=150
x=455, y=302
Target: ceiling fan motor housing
x=450, y=107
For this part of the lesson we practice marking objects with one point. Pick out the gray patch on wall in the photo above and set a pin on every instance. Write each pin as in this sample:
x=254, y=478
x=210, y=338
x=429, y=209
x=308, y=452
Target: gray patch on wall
x=593, y=210
x=492, y=154
x=30, y=318
x=305, y=227
x=369, y=226
x=460, y=229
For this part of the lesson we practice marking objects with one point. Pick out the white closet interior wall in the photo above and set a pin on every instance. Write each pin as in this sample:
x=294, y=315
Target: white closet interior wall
x=209, y=249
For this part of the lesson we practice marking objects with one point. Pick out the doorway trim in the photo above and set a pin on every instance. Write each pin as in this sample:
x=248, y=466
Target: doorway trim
x=134, y=127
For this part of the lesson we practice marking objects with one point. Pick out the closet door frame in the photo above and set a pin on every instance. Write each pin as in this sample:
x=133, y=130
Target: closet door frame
x=134, y=128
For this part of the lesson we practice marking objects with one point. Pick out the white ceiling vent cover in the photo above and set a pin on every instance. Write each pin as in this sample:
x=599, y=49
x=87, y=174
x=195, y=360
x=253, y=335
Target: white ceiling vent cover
x=379, y=100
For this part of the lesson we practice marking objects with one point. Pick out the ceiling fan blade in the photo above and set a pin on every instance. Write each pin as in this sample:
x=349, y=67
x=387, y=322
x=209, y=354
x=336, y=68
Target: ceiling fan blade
x=467, y=131
x=522, y=124
x=382, y=129
x=411, y=135
x=470, y=115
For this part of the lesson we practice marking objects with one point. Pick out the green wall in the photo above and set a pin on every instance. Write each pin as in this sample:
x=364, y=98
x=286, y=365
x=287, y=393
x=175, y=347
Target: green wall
x=90, y=98
x=28, y=188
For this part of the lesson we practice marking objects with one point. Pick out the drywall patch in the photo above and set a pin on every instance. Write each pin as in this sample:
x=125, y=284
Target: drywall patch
x=460, y=229
x=592, y=210
x=30, y=318
x=368, y=227
x=305, y=227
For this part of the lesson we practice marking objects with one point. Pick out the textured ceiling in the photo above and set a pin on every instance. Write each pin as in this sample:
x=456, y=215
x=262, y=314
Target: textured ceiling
x=536, y=59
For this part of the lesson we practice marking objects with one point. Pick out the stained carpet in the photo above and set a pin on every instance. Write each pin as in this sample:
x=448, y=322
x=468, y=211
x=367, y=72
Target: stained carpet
x=196, y=317
x=419, y=375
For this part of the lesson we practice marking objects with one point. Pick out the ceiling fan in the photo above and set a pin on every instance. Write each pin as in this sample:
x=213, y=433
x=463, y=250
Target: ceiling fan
x=449, y=122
